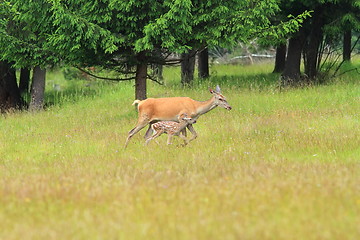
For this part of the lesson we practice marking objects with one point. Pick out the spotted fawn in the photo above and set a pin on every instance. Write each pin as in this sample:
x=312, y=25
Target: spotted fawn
x=171, y=128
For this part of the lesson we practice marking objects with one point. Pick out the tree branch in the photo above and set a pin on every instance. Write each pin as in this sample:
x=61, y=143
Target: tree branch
x=350, y=70
x=117, y=79
x=338, y=68
x=174, y=61
x=105, y=78
x=155, y=80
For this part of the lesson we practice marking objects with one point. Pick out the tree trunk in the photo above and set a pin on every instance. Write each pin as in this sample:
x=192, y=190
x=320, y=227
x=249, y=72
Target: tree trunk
x=9, y=92
x=187, y=68
x=141, y=76
x=312, y=48
x=24, y=80
x=347, y=46
x=203, y=64
x=291, y=74
x=280, y=58
x=37, y=89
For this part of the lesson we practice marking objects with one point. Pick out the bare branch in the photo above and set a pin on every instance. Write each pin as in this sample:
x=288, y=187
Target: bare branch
x=105, y=78
x=350, y=70
x=154, y=79
x=353, y=47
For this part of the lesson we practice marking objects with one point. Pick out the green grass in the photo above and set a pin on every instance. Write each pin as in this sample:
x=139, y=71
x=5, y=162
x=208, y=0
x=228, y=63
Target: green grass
x=279, y=165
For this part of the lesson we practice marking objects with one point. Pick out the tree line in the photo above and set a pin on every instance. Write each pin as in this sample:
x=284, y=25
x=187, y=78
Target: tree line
x=331, y=22
x=129, y=36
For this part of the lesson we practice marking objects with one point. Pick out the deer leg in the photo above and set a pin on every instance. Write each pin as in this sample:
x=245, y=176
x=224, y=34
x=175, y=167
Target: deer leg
x=192, y=130
x=155, y=135
x=149, y=132
x=186, y=141
x=169, y=139
x=139, y=126
x=183, y=132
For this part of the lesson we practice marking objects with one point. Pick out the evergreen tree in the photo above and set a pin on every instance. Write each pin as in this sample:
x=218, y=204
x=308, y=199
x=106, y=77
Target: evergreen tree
x=24, y=28
x=127, y=36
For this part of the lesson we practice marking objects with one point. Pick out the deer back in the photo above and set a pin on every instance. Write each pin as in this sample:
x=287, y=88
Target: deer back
x=168, y=109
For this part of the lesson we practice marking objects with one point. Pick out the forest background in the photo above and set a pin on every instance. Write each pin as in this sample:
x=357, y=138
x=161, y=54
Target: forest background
x=283, y=163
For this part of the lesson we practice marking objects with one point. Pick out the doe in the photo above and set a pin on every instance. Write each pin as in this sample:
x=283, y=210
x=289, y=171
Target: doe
x=169, y=109
x=171, y=128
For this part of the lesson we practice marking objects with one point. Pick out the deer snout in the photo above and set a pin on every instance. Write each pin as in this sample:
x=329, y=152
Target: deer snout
x=229, y=108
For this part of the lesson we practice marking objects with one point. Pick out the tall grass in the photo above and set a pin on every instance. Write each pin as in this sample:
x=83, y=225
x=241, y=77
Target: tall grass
x=279, y=165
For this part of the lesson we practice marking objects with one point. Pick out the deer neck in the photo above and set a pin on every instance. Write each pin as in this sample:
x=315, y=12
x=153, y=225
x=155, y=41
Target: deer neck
x=206, y=106
x=181, y=126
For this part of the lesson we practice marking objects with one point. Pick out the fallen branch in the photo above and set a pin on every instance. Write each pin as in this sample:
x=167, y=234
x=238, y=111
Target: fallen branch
x=350, y=70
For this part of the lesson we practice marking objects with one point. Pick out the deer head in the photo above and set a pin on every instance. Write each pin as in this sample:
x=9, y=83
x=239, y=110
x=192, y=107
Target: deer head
x=220, y=99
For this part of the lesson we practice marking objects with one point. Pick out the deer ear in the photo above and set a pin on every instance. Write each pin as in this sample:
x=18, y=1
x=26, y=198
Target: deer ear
x=218, y=89
x=183, y=115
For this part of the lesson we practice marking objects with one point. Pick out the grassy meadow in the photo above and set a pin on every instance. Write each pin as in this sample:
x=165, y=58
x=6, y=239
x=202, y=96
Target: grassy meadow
x=282, y=164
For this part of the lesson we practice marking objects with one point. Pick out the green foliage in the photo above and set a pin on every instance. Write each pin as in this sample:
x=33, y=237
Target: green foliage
x=339, y=14
x=277, y=34
x=24, y=31
x=110, y=33
x=345, y=16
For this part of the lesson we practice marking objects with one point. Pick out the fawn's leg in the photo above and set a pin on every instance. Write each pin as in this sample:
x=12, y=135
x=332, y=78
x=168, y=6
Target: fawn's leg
x=155, y=135
x=183, y=132
x=169, y=139
x=186, y=141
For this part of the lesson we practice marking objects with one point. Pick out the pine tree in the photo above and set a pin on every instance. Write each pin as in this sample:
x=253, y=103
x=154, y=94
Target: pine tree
x=127, y=36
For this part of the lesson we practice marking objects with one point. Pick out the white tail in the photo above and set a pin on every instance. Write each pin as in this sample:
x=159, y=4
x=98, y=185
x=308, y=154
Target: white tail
x=171, y=128
x=136, y=102
x=170, y=109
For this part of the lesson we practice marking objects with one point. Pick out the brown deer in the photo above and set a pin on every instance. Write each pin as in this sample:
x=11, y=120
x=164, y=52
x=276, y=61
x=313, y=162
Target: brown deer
x=170, y=109
x=171, y=128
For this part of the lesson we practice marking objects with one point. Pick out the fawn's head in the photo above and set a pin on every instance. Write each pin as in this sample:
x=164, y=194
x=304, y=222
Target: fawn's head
x=220, y=100
x=184, y=118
